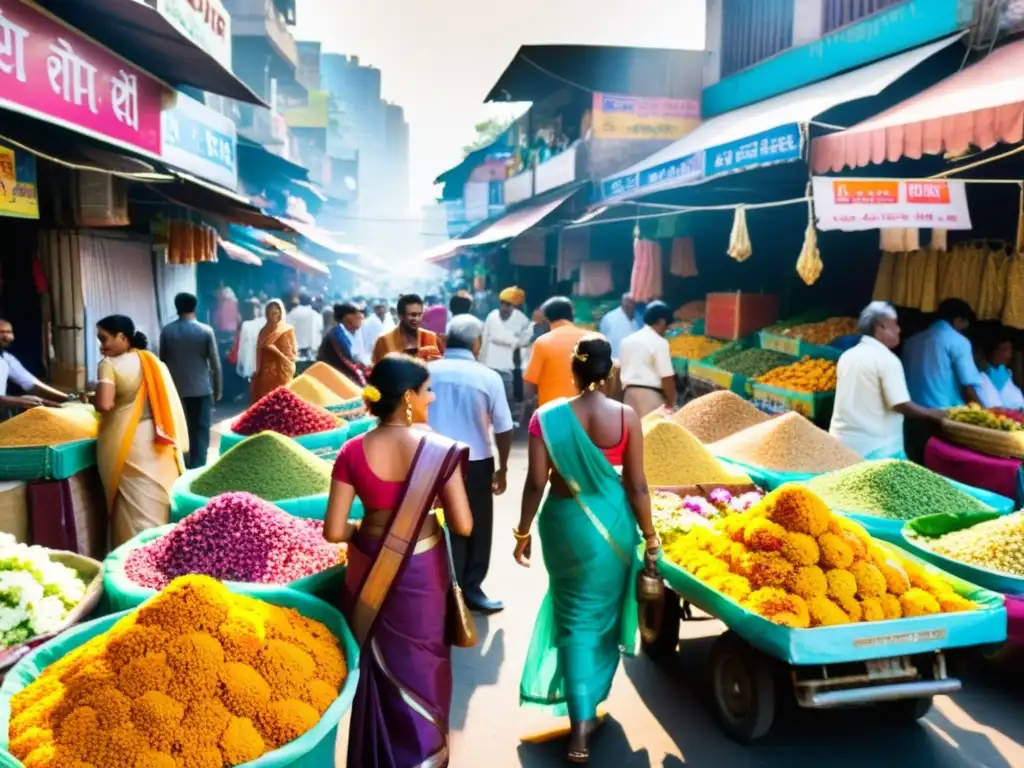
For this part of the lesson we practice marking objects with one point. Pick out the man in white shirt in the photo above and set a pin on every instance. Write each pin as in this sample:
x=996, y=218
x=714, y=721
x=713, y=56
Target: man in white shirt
x=11, y=369
x=248, y=335
x=871, y=389
x=620, y=323
x=648, y=379
x=308, y=325
x=376, y=323
x=506, y=330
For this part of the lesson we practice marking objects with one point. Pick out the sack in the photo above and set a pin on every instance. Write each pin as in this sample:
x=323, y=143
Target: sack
x=460, y=627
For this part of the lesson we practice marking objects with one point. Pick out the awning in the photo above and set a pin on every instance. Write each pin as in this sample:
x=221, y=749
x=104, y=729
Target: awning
x=145, y=37
x=323, y=239
x=355, y=270
x=287, y=254
x=979, y=106
x=765, y=133
x=193, y=192
x=240, y=254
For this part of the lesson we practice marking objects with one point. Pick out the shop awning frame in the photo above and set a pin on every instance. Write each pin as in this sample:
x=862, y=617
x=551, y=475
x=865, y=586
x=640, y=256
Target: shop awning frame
x=141, y=34
x=769, y=132
x=980, y=106
x=192, y=192
x=237, y=253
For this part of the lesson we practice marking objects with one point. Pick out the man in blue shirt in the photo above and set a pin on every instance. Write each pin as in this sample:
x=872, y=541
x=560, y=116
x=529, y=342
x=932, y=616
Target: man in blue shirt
x=940, y=368
x=470, y=403
x=621, y=322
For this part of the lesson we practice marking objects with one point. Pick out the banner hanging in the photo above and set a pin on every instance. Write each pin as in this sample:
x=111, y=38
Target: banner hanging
x=853, y=205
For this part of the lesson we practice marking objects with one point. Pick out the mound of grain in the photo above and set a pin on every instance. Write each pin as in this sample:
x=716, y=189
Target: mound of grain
x=334, y=380
x=313, y=391
x=267, y=465
x=788, y=443
x=673, y=457
x=717, y=415
x=48, y=426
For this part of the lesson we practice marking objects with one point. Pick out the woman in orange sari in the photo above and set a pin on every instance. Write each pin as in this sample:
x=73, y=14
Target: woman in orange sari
x=142, y=430
x=275, y=353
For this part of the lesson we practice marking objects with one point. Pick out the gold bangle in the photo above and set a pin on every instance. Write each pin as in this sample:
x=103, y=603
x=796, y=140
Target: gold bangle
x=520, y=536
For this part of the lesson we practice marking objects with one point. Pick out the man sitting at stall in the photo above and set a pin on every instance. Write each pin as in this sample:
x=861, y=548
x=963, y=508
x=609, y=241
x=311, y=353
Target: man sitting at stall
x=648, y=379
x=997, y=389
x=11, y=369
x=871, y=390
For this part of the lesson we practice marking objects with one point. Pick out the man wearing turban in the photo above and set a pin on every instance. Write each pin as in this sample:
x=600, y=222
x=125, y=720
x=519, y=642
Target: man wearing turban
x=506, y=332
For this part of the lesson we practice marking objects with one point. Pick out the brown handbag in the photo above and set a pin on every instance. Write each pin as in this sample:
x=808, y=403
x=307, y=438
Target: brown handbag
x=460, y=627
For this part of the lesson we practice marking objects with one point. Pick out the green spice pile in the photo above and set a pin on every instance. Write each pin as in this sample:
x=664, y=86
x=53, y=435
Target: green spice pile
x=267, y=465
x=751, y=363
x=893, y=489
x=997, y=545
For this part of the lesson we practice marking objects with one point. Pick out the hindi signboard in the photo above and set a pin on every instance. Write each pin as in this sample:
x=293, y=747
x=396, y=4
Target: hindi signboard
x=617, y=116
x=858, y=204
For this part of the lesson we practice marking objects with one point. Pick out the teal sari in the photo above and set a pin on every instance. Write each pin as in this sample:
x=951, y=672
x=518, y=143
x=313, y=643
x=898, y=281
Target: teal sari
x=590, y=547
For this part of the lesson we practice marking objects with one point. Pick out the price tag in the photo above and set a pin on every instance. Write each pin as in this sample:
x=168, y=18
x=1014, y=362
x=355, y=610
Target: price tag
x=782, y=344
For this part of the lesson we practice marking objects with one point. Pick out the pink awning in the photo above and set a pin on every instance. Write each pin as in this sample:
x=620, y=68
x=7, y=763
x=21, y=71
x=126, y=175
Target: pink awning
x=979, y=106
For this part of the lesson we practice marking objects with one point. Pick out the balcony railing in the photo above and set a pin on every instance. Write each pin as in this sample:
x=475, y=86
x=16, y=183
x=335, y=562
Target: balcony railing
x=261, y=18
x=519, y=187
x=558, y=170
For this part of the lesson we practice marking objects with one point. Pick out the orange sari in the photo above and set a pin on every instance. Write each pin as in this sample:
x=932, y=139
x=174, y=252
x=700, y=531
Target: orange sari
x=275, y=360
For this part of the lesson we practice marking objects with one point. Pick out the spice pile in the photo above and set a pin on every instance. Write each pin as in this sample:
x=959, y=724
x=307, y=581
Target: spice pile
x=673, y=457
x=790, y=560
x=787, y=443
x=977, y=416
x=751, y=362
x=312, y=391
x=334, y=380
x=268, y=465
x=997, y=545
x=892, y=489
x=36, y=593
x=692, y=347
x=807, y=375
x=197, y=677
x=286, y=413
x=822, y=332
x=48, y=426
x=236, y=537
x=717, y=415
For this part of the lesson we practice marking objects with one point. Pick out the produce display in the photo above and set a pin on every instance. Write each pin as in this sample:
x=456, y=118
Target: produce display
x=820, y=333
x=792, y=561
x=807, y=375
x=36, y=593
x=751, y=362
x=352, y=410
x=286, y=413
x=997, y=545
x=717, y=415
x=267, y=465
x=48, y=426
x=787, y=443
x=196, y=677
x=892, y=489
x=236, y=537
x=692, y=347
x=673, y=457
x=312, y=391
x=334, y=380
x=691, y=310
x=977, y=416
x=1009, y=413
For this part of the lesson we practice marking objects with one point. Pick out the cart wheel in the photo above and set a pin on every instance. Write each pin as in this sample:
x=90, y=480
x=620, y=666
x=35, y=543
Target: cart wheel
x=743, y=682
x=664, y=646
x=906, y=710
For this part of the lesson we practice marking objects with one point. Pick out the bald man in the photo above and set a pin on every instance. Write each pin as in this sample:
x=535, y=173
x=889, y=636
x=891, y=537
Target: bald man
x=621, y=322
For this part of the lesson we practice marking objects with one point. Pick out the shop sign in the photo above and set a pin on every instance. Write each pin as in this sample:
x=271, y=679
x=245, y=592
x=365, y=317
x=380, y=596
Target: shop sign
x=682, y=170
x=205, y=22
x=617, y=116
x=859, y=204
x=19, y=192
x=201, y=141
x=779, y=145
x=53, y=72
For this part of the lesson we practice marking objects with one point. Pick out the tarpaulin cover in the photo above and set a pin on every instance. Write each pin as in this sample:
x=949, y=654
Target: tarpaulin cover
x=314, y=749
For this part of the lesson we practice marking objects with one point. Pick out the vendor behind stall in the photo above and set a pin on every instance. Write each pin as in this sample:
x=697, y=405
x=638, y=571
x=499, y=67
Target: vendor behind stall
x=997, y=389
x=871, y=390
x=647, y=376
x=11, y=369
x=620, y=323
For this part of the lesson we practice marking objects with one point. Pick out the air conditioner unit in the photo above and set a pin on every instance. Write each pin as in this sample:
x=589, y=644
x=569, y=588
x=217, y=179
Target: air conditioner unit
x=100, y=200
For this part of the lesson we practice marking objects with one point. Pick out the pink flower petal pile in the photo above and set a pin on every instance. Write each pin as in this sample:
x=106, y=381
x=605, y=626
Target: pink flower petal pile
x=286, y=413
x=236, y=537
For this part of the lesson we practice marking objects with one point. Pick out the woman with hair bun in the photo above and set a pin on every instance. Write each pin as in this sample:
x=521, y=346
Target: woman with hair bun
x=589, y=534
x=397, y=583
x=143, y=434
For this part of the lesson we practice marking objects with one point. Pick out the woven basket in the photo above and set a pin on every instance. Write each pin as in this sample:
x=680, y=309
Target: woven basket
x=983, y=440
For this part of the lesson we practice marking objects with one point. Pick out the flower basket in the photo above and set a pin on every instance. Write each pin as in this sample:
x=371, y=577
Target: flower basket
x=983, y=440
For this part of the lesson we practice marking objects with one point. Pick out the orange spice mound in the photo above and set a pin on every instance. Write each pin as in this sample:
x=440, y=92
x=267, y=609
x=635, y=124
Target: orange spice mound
x=334, y=380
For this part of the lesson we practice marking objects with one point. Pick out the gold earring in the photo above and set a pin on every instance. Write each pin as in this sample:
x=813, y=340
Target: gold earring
x=408, y=412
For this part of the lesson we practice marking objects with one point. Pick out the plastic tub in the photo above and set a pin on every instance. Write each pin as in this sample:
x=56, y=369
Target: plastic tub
x=47, y=462
x=184, y=502
x=332, y=438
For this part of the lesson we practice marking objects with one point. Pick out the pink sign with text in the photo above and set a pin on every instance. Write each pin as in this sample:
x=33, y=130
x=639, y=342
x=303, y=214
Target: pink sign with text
x=49, y=70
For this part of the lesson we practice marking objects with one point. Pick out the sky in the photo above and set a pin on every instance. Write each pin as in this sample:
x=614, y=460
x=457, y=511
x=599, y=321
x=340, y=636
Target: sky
x=440, y=58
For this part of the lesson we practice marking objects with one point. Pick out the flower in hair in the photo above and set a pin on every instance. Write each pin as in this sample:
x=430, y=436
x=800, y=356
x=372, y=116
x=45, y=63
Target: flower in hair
x=371, y=394
x=582, y=357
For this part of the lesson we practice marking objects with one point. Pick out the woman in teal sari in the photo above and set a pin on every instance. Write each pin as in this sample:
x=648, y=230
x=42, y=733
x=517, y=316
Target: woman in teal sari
x=589, y=535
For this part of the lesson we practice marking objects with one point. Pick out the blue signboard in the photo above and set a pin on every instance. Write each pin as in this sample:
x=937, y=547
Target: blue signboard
x=779, y=145
x=201, y=141
x=682, y=170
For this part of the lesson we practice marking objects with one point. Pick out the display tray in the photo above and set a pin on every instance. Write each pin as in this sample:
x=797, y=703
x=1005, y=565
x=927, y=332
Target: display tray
x=718, y=378
x=796, y=347
x=768, y=479
x=331, y=438
x=776, y=400
x=852, y=642
x=983, y=440
x=47, y=462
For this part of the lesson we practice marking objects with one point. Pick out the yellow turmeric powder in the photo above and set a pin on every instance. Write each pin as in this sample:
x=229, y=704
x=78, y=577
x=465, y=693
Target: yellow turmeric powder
x=313, y=391
x=48, y=426
x=674, y=457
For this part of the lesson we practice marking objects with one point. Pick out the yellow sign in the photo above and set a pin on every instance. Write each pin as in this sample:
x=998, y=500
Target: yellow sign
x=617, y=116
x=19, y=196
x=314, y=114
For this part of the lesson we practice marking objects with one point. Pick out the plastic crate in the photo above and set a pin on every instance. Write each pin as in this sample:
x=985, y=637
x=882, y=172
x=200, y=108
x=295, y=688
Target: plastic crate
x=680, y=365
x=721, y=379
x=797, y=347
x=775, y=400
x=49, y=462
x=734, y=315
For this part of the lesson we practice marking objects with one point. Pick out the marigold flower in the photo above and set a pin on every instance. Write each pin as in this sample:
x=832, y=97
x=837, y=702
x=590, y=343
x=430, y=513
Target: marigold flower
x=896, y=580
x=157, y=716
x=735, y=554
x=720, y=547
x=797, y=509
x=149, y=673
x=285, y=667
x=196, y=660
x=851, y=608
x=808, y=581
x=286, y=720
x=241, y=742
x=762, y=535
x=320, y=695
x=765, y=569
x=835, y=552
x=188, y=604
x=954, y=603
x=841, y=583
x=891, y=606
x=203, y=724
x=825, y=613
x=208, y=757
x=29, y=739
x=80, y=735
x=870, y=581
x=800, y=549
x=872, y=609
x=728, y=584
x=917, y=602
x=150, y=758
x=244, y=692
x=242, y=638
x=135, y=641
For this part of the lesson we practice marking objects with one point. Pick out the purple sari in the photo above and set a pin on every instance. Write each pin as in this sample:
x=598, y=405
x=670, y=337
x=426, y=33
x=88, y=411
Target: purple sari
x=403, y=701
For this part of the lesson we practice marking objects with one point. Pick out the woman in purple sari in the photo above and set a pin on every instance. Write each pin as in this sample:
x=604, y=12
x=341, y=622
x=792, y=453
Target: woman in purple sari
x=397, y=583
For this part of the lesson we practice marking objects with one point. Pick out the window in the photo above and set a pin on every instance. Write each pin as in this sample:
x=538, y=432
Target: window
x=754, y=30
x=839, y=13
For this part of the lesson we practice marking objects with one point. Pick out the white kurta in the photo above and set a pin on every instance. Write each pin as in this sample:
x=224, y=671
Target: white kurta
x=502, y=337
x=1009, y=396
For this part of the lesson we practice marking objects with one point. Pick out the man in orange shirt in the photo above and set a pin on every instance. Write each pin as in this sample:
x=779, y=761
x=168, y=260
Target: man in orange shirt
x=549, y=373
